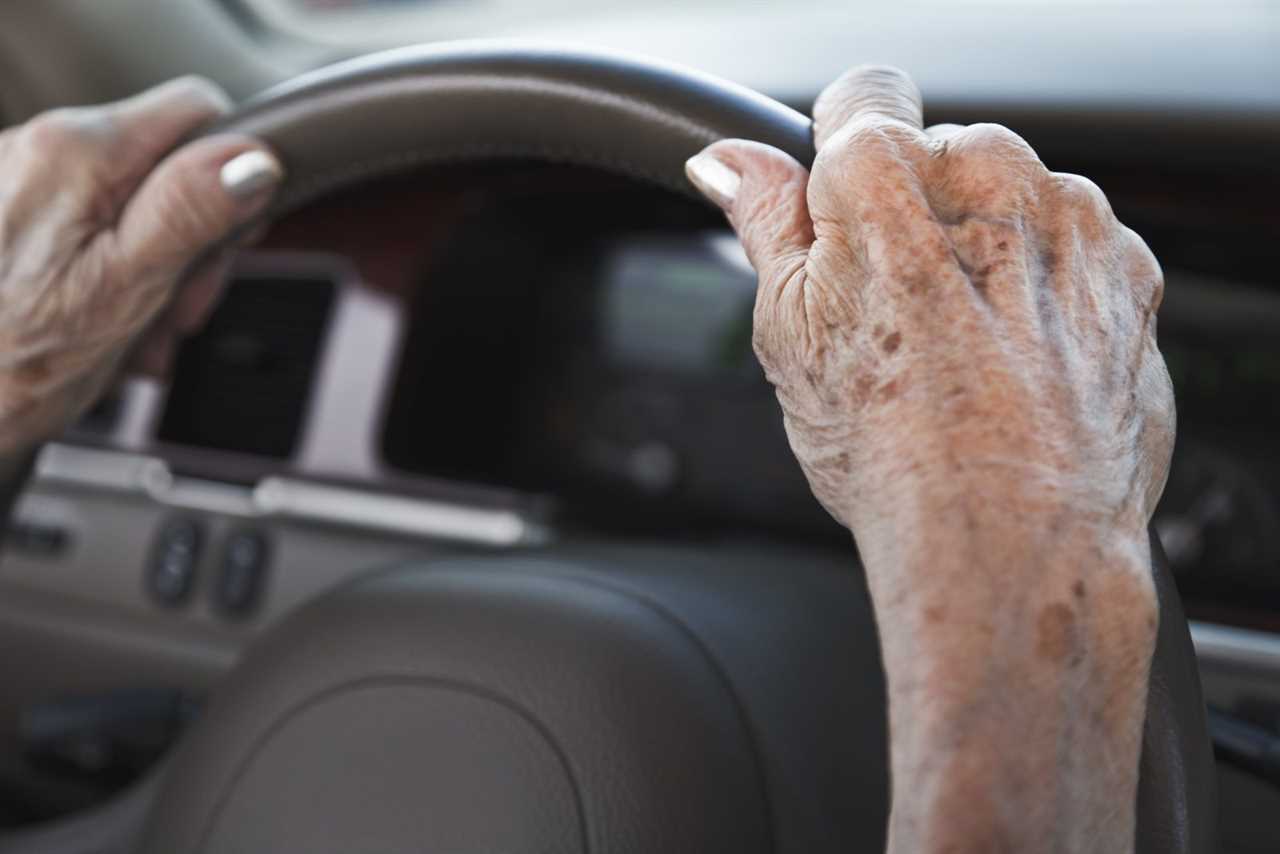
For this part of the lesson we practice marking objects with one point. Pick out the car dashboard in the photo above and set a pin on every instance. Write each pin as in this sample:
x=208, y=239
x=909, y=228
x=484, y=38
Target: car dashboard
x=525, y=351
x=502, y=356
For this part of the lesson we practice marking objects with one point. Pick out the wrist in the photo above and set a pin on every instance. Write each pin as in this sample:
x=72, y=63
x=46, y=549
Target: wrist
x=988, y=514
x=32, y=414
x=942, y=467
x=983, y=582
x=1017, y=639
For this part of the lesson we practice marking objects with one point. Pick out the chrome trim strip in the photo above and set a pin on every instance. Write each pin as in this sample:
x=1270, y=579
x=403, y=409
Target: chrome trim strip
x=208, y=496
x=319, y=503
x=116, y=470
x=1218, y=644
x=287, y=498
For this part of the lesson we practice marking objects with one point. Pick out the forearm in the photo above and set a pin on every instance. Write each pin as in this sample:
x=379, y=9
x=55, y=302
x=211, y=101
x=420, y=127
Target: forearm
x=963, y=346
x=1017, y=647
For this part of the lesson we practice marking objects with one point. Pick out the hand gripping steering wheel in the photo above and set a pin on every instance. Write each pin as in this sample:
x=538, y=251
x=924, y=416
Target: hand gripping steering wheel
x=392, y=112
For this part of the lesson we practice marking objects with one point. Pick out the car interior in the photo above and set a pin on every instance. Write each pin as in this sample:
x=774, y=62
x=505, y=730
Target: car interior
x=468, y=523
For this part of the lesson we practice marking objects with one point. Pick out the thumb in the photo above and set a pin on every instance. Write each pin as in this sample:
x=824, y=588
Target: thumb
x=196, y=198
x=762, y=191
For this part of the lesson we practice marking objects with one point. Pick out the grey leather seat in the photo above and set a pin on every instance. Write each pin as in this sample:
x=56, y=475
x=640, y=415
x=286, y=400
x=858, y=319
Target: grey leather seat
x=592, y=700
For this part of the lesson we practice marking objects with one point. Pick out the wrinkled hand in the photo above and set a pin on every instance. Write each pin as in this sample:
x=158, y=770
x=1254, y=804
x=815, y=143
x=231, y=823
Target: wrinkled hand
x=100, y=221
x=936, y=305
x=963, y=346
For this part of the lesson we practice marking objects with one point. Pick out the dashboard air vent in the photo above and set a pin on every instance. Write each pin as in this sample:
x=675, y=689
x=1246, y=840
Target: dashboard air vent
x=242, y=384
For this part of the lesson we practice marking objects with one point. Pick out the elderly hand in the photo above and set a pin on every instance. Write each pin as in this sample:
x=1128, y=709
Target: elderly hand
x=100, y=221
x=963, y=345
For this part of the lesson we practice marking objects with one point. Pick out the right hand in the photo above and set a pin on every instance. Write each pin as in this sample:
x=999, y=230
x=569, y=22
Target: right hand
x=101, y=220
x=963, y=345
x=941, y=314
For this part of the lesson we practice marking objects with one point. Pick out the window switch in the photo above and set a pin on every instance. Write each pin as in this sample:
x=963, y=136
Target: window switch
x=172, y=571
x=244, y=563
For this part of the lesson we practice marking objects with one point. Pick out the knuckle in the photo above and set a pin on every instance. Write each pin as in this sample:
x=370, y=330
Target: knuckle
x=1081, y=196
x=1145, y=272
x=767, y=329
x=56, y=132
x=1157, y=291
x=201, y=87
x=759, y=339
x=884, y=132
x=871, y=142
x=996, y=143
x=872, y=133
x=762, y=342
x=201, y=94
x=55, y=150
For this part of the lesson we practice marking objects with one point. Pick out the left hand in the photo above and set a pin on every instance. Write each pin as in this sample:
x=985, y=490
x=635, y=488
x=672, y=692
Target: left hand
x=101, y=220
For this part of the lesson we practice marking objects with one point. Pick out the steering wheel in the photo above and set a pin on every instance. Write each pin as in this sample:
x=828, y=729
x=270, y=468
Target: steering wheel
x=608, y=699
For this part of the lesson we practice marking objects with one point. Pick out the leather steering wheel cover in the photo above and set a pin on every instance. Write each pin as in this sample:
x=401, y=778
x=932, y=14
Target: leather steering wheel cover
x=470, y=101
x=475, y=101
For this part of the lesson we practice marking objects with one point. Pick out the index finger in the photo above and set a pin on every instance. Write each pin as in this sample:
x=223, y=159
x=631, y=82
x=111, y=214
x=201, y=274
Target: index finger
x=148, y=126
x=868, y=90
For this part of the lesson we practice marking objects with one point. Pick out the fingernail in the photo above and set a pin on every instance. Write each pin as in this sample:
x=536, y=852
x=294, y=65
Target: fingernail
x=714, y=178
x=250, y=173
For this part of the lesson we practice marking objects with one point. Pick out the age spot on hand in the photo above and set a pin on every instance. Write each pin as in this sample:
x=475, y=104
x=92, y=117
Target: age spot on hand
x=889, y=390
x=1056, y=638
x=1048, y=261
x=864, y=384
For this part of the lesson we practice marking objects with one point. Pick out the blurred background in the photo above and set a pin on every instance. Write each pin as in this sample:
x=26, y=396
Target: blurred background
x=613, y=374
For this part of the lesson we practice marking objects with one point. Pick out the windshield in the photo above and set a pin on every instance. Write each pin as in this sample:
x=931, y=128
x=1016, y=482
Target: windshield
x=783, y=47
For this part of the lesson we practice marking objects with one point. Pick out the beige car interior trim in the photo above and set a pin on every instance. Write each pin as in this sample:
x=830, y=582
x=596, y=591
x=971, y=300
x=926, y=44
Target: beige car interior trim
x=289, y=498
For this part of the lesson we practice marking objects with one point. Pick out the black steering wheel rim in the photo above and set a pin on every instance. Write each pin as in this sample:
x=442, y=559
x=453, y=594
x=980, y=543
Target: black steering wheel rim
x=363, y=118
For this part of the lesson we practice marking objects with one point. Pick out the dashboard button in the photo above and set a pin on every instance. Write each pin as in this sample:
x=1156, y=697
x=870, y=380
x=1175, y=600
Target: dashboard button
x=244, y=562
x=36, y=539
x=172, y=571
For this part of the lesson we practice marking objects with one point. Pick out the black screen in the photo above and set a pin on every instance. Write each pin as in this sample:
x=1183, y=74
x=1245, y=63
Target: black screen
x=242, y=384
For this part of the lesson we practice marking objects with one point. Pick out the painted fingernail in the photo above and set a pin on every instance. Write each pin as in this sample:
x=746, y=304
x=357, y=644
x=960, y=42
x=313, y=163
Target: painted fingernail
x=250, y=173
x=714, y=178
